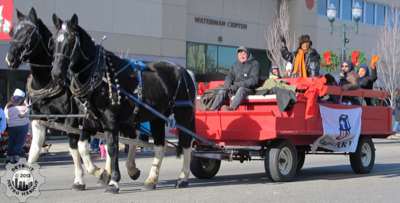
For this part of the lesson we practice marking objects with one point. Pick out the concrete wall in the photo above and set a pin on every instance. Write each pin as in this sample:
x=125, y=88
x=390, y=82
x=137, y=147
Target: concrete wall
x=151, y=29
x=257, y=14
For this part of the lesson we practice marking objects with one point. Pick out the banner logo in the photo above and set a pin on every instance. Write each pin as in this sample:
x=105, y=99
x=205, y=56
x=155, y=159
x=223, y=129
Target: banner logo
x=22, y=180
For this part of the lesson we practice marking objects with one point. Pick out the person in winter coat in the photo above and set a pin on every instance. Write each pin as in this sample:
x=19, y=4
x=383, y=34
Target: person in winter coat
x=240, y=81
x=18, y=125
x=367, y=80
x=275, y=73
x=305, y=60
x=349, y=80
x=2, y=122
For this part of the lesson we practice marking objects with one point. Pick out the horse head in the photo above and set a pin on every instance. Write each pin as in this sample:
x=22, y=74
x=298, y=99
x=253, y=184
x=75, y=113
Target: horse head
x=70, y=47
x=28, y=38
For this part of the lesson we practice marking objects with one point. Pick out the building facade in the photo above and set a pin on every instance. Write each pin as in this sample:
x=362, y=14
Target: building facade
x=201, y=35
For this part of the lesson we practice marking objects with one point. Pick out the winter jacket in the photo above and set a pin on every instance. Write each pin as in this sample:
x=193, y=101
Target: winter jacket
x=367, y=82
x=243, y=75
x=312, y=60
x=349, y=81
x=2, y=121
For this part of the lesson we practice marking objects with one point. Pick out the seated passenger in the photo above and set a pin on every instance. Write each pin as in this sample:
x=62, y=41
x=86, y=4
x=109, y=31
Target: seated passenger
x=349, y=81
x=330, y=80
x=275, y=73
x=240, y=81
x=305, y=60
x=366, y=80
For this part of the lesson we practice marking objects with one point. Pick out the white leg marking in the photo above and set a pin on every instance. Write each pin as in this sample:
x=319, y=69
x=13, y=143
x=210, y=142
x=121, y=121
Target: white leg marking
x=185, y=172
x=38, y=136
x=108, y=161
x=112, y=182
x=83, y=147
x=159, y=152
x=78, y=166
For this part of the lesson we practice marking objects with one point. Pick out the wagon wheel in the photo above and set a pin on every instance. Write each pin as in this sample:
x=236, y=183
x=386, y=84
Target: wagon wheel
x=281, y=162
x=363, y=160
x=204, y=168
x=301, y=156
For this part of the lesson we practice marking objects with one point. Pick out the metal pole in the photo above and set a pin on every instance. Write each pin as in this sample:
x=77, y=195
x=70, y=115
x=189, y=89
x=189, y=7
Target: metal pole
x=49, y=116
x=344, y=42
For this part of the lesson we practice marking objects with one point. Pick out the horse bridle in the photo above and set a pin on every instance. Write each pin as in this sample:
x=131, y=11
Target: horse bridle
x=77, y=46
x=27, y=44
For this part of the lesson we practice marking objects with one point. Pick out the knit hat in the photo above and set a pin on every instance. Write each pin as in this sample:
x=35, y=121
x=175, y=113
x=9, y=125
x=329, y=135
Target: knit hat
x=18, y=93
x=242, y=48
x=365, y=67
x=351, y=67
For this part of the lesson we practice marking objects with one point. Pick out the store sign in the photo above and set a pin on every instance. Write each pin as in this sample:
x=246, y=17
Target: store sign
x=6, y=14
x=218, y=22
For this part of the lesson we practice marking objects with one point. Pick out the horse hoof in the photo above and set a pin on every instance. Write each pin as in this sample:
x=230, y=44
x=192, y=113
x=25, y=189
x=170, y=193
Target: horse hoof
x=104, y=178
x=112, y=189
x=150, y=186
x=181, y=184
x=79, y=187
x=134, y=176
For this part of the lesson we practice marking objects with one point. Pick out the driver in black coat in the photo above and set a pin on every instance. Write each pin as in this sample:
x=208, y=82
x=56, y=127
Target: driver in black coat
x=240, y=81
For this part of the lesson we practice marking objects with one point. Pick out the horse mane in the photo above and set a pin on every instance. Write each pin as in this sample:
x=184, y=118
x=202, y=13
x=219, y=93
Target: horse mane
x=44, y=31
x=86, y=41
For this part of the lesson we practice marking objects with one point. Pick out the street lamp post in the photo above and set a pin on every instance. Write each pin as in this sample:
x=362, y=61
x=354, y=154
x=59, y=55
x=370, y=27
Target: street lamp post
x=356, y=13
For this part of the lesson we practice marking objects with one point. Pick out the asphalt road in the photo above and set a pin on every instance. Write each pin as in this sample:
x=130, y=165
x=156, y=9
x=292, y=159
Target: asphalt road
x=323, y=179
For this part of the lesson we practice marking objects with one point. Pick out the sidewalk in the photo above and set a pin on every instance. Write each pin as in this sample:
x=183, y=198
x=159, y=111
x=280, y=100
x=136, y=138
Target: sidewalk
x=394, y=137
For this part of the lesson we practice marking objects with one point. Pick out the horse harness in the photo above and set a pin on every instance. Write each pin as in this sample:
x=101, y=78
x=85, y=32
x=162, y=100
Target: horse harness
x=26, y=52
x=50, y=90
x=104, y=71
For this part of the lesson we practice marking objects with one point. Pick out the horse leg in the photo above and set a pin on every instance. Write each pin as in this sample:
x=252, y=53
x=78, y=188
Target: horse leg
x=38, y=136
x=92, y=169
x=79, y=183
x=133, y=172
x=158, y=132
x=112, y=151
x=185, y=117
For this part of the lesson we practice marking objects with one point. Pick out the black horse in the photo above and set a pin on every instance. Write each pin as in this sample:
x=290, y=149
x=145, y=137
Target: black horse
x=97, y=77
x=29, y=44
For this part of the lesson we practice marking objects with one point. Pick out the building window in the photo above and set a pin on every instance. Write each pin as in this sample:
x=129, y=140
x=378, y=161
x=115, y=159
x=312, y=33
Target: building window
x=369, y=14
x=212, y=58
x=196, y=57
x=213, y=62
x=389, y=16
x=322, y=7
x=380, y=14
x=226, y=58
x=346, y=7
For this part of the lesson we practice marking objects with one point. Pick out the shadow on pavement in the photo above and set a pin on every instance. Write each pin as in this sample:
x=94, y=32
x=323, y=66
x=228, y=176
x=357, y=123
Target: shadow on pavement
x=340, y=172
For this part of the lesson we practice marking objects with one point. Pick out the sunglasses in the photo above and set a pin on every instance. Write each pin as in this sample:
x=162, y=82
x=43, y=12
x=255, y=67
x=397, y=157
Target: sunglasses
x=345, y=66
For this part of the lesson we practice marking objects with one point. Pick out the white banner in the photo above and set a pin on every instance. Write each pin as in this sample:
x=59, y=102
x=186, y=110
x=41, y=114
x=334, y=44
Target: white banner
x=342, y=128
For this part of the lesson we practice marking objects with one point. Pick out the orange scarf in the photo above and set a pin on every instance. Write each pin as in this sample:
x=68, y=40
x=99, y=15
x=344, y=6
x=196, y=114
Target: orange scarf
x=300, y=64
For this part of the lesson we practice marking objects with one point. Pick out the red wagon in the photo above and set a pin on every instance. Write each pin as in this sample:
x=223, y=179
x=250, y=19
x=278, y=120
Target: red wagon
x=258, y=130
